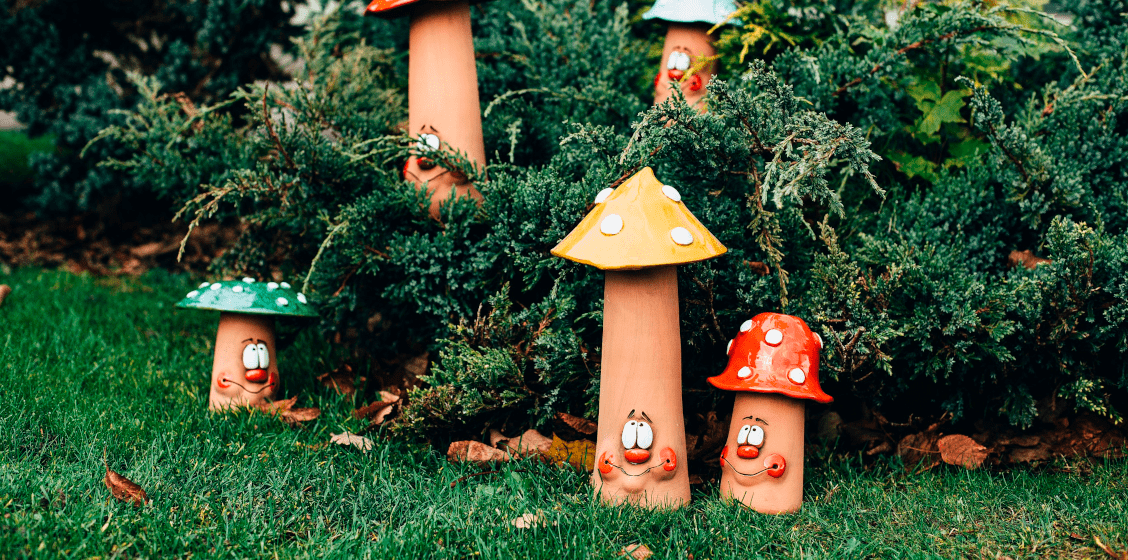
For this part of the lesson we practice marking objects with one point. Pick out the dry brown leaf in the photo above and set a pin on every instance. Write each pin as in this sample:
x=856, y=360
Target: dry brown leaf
x=342, y=380
x=380, y=410
x=582, y=425
x=580, y=453
x=636, y=551
x=962, y=451
x=529, y=520
x=531, y=442
x=295, y=416
x=1027, y=259
x=360, y=442
x=758, y=268
x=919, y=448
x=276, y=407
x=496, y=438
x=4, y=291
x=124, y=489
x=475, y=452
x=1122, y=555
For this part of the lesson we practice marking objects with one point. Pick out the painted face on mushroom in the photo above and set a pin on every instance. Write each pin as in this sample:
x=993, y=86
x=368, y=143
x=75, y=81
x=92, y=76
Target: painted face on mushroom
x=743, y=453
x=244, y=368
x=678, y=63
x=638, y=456
x=420, y=168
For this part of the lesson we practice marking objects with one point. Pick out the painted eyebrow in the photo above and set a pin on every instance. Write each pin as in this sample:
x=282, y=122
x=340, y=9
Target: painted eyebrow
x=249, y=340
x=631, y=413
x=760, y=420
x=647, y=418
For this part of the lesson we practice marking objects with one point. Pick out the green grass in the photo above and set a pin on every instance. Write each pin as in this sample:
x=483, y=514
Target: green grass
x=15, y=146
x=95, y=365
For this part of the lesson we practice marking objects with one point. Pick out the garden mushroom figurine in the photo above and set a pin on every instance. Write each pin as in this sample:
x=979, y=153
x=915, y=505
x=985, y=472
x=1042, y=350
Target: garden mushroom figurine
x=442, y=92
x=638, y=233
x=687, y=42
x=773, y=365
x=245, y=364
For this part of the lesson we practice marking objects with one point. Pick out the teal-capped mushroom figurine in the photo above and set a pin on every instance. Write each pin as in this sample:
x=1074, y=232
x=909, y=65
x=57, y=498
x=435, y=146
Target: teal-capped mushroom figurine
x=245, y=365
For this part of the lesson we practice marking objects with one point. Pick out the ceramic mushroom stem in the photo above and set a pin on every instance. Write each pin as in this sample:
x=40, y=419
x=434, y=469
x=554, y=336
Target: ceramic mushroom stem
x=688, y=43
x=245, y=363
x=773, y=364
x=442, y=92
x=638, y=233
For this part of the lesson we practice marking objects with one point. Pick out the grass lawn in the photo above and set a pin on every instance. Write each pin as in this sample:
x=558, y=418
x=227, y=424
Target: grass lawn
x=91, y=366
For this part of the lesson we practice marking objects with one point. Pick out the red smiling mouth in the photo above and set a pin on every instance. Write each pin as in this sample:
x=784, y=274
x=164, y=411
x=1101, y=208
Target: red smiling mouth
x=272, y=380
x=774, y=465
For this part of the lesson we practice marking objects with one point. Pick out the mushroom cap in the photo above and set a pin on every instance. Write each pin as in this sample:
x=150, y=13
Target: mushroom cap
x=689, y=11
x=774, y=353
x=251, y=297
x=640, y=224
x=388, y=8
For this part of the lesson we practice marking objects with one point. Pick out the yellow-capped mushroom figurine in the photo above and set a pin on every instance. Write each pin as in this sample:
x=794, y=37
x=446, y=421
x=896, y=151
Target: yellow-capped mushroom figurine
x=638, y=233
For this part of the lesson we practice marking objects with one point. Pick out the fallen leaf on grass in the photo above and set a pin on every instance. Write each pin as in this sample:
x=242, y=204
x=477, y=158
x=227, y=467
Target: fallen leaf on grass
x=528, y=520
x=962, y=451
x=4, y=291
x=1122, y=555
x=380, y=410
x=342, y=380
x=531, y=442
x=919, y=449
x=582, y=425
x=475, y=452
x=579, y=453
x=285, y=411
x=360, y=442
x=124, y=489
x=636, y=551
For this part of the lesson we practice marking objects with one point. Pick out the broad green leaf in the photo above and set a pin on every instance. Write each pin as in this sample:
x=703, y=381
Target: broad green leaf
x=947, y=110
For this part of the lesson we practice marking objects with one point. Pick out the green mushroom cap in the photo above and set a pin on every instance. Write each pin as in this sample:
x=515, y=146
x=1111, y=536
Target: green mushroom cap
x=249, y=296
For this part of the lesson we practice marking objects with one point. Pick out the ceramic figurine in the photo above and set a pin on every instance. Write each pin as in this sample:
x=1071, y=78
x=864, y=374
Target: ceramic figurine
x=245, y=364
x=638, y=233
x=774, y=366
x=442, y=92
x=687, y=42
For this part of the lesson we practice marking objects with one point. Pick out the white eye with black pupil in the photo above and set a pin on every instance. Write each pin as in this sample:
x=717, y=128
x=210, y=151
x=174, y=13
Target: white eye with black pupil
x=251, y=357
x=683, y=62
x=264, y=355
x=756, y=436
x=645, y=435
x=671, y=62
x=630, y=434
x=428, y=142
x=742, y=437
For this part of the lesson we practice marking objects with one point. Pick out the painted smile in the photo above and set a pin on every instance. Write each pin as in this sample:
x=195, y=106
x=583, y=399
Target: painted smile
x=241, y=386
x=774, y=465
x=624, y=471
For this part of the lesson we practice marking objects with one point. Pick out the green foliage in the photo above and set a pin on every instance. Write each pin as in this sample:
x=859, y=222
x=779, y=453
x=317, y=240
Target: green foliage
x=995, y=139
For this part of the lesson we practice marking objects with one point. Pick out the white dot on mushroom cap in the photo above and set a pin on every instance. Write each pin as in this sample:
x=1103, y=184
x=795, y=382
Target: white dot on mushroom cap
x=237, y=289
x=215, y=287
x=671, y=193
x=204, y=285
x=193, y=293
x=820, y=339
x=797, y=376
x=271, y=286
x=603, y=194
x=611, y=225
x=744, y=372
x=301, y=297
x=282, y=301
x=681, y=236
x=746, y=326
x=285, y=285
x=728, y=349
x=773, y=337
x=248, y=280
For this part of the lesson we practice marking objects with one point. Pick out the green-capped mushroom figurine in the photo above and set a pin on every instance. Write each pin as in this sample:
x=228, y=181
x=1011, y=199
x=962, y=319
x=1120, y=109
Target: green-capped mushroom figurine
x=245, y=366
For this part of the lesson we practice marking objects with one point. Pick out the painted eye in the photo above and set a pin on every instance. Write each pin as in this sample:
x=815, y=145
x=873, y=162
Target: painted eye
x=672, y=61
x=630, y=434
x=645, y=435
x=263, y=355
x=683, y=62
x=251, y=357
x=428, y=142
x=756, y=436
x=742, y=437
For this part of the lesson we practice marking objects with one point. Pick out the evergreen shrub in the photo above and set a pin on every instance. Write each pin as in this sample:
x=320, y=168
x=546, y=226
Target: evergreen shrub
x=872, y=176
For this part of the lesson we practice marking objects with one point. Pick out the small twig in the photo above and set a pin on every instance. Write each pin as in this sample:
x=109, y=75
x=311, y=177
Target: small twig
x=270, y=129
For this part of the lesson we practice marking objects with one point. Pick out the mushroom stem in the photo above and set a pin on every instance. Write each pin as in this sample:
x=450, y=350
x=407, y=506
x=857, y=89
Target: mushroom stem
x=641, y=372
x=784, y=417
x=442, y=93
x=229, y=385
x=695, y=39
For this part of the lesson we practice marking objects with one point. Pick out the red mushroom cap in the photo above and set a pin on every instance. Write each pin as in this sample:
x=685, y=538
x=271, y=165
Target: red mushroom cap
x=387, y=8
x=774, y=353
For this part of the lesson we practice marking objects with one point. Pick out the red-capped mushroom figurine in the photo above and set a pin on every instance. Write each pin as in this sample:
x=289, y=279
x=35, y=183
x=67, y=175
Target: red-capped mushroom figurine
x=689, y=46
x=442, y=92
x=638, y=233
x=773, y=365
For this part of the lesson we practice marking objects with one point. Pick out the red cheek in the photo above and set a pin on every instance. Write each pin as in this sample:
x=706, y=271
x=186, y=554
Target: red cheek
x=669, y=459
x=747, y=451
x=775, y=465
x=695, y=82
x=724, y=453
x=604, y=463
x=406, y=164
x=657, y=79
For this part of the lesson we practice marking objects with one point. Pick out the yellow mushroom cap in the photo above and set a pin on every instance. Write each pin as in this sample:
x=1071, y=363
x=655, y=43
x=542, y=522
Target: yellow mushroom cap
x=640, y=224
